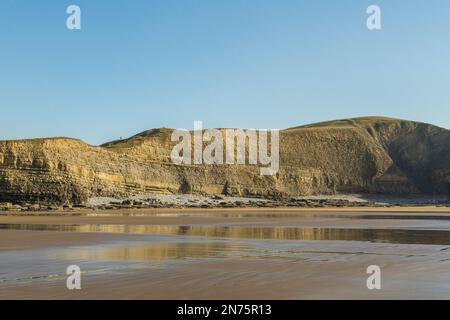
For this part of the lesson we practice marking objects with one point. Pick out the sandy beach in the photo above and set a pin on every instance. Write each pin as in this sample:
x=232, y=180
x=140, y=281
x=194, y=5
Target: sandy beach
x=227, y=253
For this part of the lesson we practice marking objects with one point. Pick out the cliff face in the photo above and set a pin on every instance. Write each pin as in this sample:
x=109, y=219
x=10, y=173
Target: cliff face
x=364, y=155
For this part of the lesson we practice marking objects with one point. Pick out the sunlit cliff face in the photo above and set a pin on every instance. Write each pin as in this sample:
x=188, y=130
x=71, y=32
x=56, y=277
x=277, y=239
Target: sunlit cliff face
x=368, y=155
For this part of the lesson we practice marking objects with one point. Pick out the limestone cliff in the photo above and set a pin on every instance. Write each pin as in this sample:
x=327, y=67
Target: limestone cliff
x=362, y=155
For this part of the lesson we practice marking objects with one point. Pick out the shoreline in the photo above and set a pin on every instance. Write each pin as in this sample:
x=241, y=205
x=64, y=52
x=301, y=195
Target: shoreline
x=261, y=211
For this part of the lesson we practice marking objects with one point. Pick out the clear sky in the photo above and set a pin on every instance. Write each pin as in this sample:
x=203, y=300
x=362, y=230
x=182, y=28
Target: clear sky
x=140, y=64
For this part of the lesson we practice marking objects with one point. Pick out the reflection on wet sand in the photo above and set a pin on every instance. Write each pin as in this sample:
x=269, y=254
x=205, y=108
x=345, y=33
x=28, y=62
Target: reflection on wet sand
x=155, y=251
x=214, y=257
x=404, y=236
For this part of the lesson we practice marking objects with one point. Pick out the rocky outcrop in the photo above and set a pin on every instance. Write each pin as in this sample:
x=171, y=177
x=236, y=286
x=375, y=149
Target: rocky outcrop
x=364, y=155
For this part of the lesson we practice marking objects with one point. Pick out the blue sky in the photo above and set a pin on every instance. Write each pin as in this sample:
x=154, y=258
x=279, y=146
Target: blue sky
x=142, y=64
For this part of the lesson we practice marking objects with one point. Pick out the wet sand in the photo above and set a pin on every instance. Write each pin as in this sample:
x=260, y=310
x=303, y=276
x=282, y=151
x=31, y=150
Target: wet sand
x=214, y=215
x=227, y=254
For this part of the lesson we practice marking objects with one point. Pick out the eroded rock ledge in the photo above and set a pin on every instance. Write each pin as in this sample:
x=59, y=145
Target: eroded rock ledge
x=219, y=201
